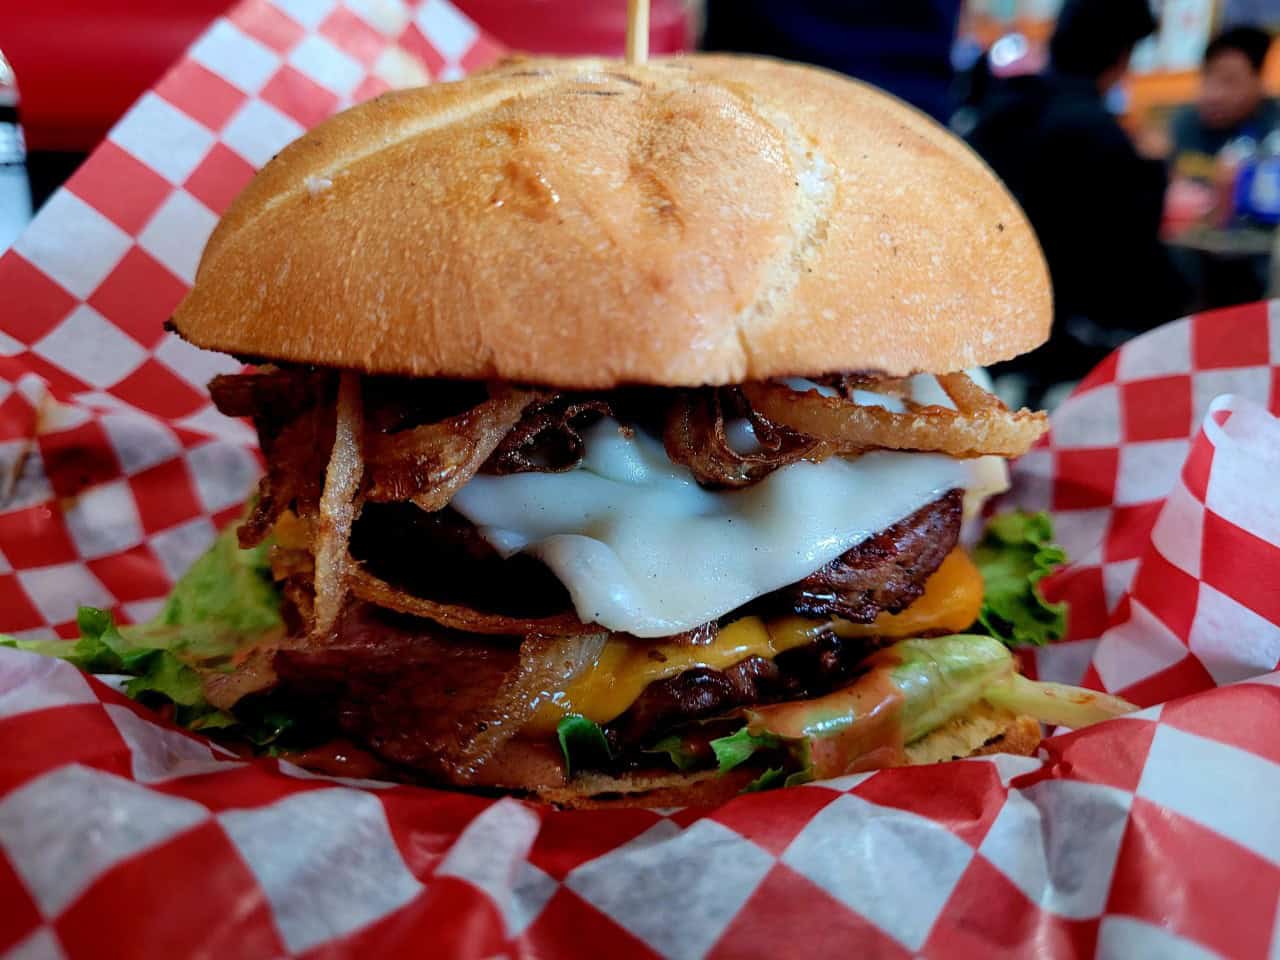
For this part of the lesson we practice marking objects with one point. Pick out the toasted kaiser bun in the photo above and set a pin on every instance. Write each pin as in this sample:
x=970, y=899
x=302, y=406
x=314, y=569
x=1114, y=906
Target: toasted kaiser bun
x=981, y=731
x=584, y=223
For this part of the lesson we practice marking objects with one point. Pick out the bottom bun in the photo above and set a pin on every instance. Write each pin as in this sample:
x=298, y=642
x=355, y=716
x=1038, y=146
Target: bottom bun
x=705, y=788
x=978, y=732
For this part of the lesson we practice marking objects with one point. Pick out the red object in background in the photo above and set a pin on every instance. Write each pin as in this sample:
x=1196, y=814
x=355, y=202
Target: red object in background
x=577, y=26
x=83, y=62
x=1186, y=204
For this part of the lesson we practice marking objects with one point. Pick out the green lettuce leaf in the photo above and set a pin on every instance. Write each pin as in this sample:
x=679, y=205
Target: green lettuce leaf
x=214, y=720
x=154, y=671
x=773, y=777
x=1017, y=552
x=262, y=722
x=1057, y=704
x=933, y=680
x=583, y=743
x=161, y=672
x=674, y=747
x=227, y=586
x=736, y=749
x=225, y=603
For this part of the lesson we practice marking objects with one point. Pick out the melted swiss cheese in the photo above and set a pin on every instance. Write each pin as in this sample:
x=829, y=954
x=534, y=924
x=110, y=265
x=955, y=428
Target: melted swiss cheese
x=642, y=549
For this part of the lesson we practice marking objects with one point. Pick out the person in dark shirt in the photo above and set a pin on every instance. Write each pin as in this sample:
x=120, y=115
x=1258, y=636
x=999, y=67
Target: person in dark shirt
x=903, y=47
x=1232, y=102
x=1094, y=201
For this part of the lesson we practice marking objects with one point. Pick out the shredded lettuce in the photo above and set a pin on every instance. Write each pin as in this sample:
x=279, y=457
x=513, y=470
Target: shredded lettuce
x=583, y=743
x=936, y=680
x=1017, y=552
x=919, y=685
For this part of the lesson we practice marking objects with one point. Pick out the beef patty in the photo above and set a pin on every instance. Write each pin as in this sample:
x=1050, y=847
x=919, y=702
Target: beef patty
x=442, y=556
x=884, y=573
x=417, y=694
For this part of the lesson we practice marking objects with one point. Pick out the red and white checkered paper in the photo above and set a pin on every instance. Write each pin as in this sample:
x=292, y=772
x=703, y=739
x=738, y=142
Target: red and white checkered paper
x=1152, y=836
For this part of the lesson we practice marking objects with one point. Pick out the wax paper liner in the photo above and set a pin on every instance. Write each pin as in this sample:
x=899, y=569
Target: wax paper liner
x=1153, y=835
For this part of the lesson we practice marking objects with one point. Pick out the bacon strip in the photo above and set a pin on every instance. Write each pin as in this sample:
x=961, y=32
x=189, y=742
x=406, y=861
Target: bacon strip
x=428, y=697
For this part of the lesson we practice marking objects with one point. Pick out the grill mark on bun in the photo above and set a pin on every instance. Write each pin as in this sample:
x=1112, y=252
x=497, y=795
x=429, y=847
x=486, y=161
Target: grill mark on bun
x=769, y=260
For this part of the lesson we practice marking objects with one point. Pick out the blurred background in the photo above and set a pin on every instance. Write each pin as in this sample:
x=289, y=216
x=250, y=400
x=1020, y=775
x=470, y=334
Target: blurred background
x=1141, y=137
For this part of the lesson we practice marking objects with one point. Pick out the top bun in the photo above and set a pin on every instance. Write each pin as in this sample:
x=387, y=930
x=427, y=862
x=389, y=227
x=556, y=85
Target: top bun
x=584, y=223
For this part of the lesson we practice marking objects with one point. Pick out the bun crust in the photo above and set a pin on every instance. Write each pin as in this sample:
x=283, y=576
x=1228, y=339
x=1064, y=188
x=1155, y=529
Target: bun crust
x=583, y=223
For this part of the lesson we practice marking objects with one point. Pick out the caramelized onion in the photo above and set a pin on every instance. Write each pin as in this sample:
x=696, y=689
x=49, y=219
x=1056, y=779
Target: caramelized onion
x=548, y=664
x=458, y=617
x=980, y=426
x=695, y=437
x=845, y=383
x=338, y=506
x=546, y=440
x=968, y=397
x=430, y=463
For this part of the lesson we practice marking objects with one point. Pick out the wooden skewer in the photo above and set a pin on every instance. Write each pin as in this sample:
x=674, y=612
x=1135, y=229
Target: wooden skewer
x=637, y=31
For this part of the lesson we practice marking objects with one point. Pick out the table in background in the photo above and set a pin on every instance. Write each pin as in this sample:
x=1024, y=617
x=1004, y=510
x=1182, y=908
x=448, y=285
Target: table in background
x=1228, y=265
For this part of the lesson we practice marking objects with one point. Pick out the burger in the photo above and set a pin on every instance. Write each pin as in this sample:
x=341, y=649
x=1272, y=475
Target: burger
x=617, y=432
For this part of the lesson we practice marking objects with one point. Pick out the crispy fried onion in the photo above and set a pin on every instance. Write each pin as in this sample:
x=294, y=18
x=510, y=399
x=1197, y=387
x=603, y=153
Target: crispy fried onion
x=430, y=463
x=547, y=438
x=695, y=437
x=457, y=616
x=338, y=506
x=548, y=664
x=980, y=424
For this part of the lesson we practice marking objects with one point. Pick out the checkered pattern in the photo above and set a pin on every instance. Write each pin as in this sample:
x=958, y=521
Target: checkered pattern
x=118, y=469
x=122, y=836
x=1125, y=473
x=1103, y=847
x=1204, y=608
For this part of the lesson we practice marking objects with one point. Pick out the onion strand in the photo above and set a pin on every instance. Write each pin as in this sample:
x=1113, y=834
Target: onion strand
x=981, y=426
x=338, y=506
x=430, y=463
x=457, y=616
